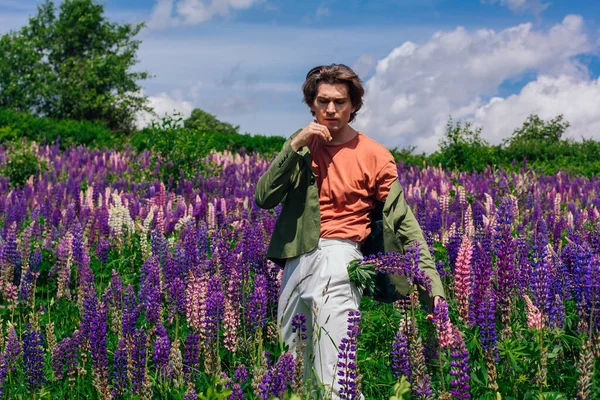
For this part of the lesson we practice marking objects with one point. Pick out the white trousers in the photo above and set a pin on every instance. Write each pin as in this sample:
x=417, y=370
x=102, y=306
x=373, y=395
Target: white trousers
x=317, y=285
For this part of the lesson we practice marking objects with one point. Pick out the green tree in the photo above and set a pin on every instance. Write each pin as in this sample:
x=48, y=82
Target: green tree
x=202, y=121
x=463, y=148
x=536, y=129
x=73, y=63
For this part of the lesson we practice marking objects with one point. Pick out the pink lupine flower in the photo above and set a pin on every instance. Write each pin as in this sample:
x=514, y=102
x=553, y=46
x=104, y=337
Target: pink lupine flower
x=535, y=318
x=195, y=307
x=64, y=260
x=462, y=277
x=442, y=323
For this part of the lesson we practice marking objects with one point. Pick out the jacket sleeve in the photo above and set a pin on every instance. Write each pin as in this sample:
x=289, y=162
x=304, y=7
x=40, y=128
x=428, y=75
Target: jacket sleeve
x=408, y=230
x=275, y=183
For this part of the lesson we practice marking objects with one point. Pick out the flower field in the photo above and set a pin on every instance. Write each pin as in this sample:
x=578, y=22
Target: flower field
x=113, y=285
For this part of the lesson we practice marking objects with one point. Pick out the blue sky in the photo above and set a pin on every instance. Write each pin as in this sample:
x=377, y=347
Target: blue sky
x=490, y=62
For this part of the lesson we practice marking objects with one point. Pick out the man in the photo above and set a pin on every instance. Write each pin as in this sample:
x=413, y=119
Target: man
x=329, y=178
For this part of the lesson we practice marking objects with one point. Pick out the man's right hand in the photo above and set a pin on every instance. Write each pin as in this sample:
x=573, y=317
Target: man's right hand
x=314, y=128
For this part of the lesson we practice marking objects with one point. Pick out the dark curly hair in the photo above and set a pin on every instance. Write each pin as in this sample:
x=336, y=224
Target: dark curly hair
x=334, y=73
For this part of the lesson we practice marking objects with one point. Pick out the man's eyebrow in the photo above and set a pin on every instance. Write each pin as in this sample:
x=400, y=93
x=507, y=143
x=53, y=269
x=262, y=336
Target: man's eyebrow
x=332, y=98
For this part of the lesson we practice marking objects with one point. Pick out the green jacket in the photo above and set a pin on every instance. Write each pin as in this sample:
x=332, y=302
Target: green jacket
x=291, y=181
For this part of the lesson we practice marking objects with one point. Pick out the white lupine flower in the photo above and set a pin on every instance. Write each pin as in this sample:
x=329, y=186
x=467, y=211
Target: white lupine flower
x=489, y=204
x=144, y=229
x=119, y=218
x=469, y=226
x=182, y=222
x=557, y=202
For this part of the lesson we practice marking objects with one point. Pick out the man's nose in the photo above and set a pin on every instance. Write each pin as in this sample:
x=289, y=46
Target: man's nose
x=331, y=107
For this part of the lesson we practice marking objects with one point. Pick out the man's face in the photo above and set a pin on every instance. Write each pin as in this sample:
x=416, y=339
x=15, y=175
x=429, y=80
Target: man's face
x=332, y=106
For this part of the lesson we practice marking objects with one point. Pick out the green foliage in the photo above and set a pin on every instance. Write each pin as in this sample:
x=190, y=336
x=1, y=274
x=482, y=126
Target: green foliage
x=407, y=156
x=179, y=150
x=400, y=389
x=174, y=150
x=462, y=147
x=73, y=64
x=15, y=125
x=202, y=121
x=363, y=275
x=537, y=144
x=535, y=129
x=22, y=163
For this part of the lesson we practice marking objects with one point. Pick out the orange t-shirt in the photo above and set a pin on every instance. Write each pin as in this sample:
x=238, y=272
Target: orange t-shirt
x=350, y=177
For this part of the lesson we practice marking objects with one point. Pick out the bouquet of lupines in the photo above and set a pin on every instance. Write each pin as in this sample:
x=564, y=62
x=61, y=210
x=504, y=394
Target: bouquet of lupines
x=363, y=271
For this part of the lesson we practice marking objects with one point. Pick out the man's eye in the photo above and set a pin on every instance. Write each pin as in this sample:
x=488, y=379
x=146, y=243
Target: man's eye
x=340, y=101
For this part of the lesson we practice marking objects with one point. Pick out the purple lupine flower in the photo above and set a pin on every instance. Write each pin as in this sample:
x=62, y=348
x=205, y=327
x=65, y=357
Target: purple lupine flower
x=402, y=264
x=117, y=290
x=131, y=312
x=175, y=272
x=58, y=357
x=64, y=358
x=540, y=285
x=556, y=312
x=347, y=372
x=97, y=339
x=3, y=373
x=459, y=367
x=299, y=325
x=150, y=290
x=240, y=376
x=29, y=278
x=81, y=259
x=485, y=319
x=10, y=256
x=400, y=360
x=214, y=309
x=90, y=310
x=120, y=378
x=480, y=278
x=279, y=376
x=159, y=247
x=102, y=248
x=505, y=250
x=256, y=311
x=190, y=394
x=442, y=323
x=138, y=358
x=191, y=357
x=12, y=349
x=162, y=348
x=524, y=270
x=452, y=247
x=33, y=357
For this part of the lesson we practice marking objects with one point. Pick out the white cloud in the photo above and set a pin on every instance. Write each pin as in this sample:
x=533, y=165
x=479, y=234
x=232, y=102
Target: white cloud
x=237, y=104
x=322, y=11
x=520, y=6
x=163, y=104
x=193, y=12
x=364, y=65
x=417, y=86
x=577, y=99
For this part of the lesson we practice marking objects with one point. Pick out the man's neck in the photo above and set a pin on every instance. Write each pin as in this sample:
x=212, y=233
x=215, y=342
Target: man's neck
x=343, y=136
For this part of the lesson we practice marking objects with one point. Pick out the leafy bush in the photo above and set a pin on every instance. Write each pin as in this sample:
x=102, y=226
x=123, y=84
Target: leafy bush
x=200, y=120
x=15, y=124
x=23, y=162
x=462, y=147
x=538, y=144
x=179, y=150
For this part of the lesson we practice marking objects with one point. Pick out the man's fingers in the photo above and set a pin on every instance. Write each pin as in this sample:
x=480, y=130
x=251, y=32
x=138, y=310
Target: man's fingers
x=326, y=133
